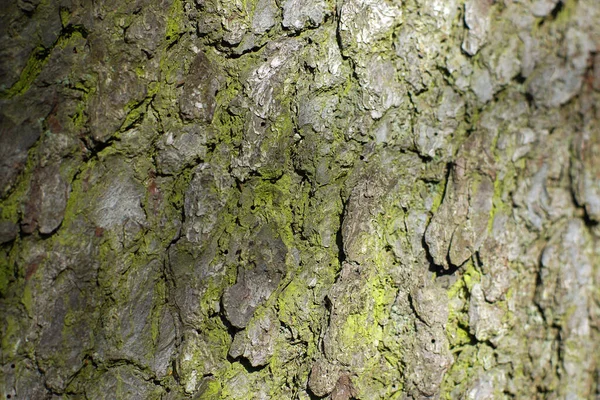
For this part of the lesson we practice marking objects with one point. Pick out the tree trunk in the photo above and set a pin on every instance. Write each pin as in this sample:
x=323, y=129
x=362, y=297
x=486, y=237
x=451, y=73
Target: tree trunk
x=300, y=199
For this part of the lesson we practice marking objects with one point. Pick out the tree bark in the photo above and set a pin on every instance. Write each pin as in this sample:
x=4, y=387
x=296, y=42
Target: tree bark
x=300, y=199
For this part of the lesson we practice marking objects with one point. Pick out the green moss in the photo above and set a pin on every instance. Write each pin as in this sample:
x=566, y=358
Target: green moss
x=11, y=207
x=471, y=275
x=230, y=127
x=209, y=302
x=229, y=378
x=160, y=290
x=85, y=374
x=358, y=330
x=6, y=273
x=33, y=67
x=496, y=202
x=568, y=11
x=276, y=144
x=364, y=329
x=86, y=88
x=37, y=60
x=558, y=22
x=76, y=207
x=383, y=293
x=296, y=309
x=457, y=328
x=177, y=194
x=228, y=91
x=65, y=16
x=27, y=298
x=502, y=184
x=10, y=336
x=205, y=354
x=380, y=381
x=459, y=372
x=271, y=201
x=135, y=112
x=71, y=319
x=439, y=196
x=286, y=368
x=175, y=24
x=211, y=390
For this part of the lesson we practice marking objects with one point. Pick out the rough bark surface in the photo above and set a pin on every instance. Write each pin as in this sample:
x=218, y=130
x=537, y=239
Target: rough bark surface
x=300, y=199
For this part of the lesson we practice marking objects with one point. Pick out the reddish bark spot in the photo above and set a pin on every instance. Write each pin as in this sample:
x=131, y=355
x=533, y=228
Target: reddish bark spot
x=33, y=267
x=152, y=188
x=54, y=124
x=154, y=192
x=344, y=390
x=99, y=231
x=32, y=210
x=85, y=182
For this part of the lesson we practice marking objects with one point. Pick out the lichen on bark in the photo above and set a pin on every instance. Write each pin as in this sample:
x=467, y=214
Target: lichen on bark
x=302, y=199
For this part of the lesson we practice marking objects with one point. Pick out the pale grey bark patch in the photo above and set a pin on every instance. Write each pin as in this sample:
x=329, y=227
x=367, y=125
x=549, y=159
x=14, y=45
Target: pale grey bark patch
x=299, y=14
x=123, y=382
x=204, y=199
x=119, y=203
x=179, y=148
x=323, y=377
x=257, y=281
x=477, y=19
x=264, y=16
x=257, y=342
